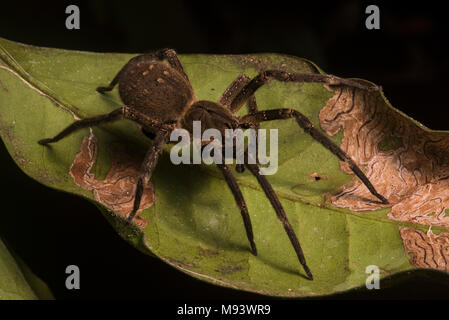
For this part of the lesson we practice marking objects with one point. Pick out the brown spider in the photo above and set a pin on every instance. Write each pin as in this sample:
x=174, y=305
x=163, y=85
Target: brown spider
x=160, y=98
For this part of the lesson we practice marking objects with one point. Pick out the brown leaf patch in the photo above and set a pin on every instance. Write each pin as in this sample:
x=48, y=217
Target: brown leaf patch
x=229, y=269
x=117, y=190
x=406, y=164
x=427, y=250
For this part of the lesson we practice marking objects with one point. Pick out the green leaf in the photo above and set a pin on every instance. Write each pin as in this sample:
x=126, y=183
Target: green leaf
x=194, y=223
x=40, y=288
x=13, y=284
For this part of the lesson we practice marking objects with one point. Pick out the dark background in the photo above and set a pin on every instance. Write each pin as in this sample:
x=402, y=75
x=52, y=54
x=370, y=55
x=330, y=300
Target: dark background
x=50, y=230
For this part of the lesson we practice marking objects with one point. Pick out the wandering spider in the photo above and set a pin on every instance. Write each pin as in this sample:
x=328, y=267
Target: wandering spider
x=160, y=98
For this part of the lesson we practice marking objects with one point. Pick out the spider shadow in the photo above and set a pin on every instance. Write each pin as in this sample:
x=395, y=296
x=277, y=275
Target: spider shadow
x=297, y=271
x=192, y=181
x=354, y=197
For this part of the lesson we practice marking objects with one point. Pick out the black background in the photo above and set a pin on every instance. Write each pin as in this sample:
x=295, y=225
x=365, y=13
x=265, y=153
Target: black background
x=50, y=230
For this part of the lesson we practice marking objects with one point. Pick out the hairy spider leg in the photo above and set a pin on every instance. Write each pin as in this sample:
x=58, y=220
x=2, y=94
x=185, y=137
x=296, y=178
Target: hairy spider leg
x=147, y=167
x=303, y=122
x=123, y=112
x=161, y=54
x=263, y=77
x=228, y=96
x=280, y=213
x=238, y=196
x=233, y=89
x=84, y=123
x=252, y=108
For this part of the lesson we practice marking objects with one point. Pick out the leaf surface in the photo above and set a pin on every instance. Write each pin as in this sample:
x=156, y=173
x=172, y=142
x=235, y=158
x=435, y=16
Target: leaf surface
x=13, y=284
x=191, y=221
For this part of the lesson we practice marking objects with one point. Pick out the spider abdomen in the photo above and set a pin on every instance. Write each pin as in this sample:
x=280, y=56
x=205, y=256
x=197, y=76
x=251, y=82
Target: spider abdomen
x=155, y=89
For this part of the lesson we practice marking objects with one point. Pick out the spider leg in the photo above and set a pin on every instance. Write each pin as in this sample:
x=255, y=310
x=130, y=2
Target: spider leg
x=147, y=167
x=232, y=183
x=161, y=54
x=123, y=112
x=263, y=77
x=228, y=96
x=84, y=123
x=233, y=89
x=317, y=135
x=172, y=59
x=252, y=108
x=112, y=84
x=280, y=213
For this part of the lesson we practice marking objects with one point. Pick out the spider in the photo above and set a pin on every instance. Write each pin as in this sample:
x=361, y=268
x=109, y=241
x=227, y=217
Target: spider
x=160, y=98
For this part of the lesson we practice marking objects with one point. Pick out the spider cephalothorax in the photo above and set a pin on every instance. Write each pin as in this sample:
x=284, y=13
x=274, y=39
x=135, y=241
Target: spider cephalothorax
x=160, y=98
